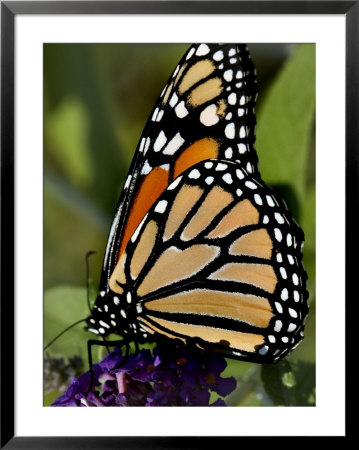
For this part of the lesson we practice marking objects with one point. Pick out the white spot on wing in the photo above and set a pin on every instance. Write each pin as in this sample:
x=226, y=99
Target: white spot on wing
x=146, y=169
x=93, y=330
x=175, y=71
x=242, y=132
x=232, y=98
x=174, y=183
x=161, y=206
x=181, y=110
x=289, y=240
x=154, y=116
x=270, y=200
x=279, y=218
x=278, y=234
x=142, y=144
x=160, y=141
x=194, y=174
x=227, y=178
x=104, y=324
x=128, y=181
x=173, y=145
x=202, y=50
x=228, y=75
x=173, y=101
x=242, y=148
x=258, y=199
x=160, y=115
x=138, y=229
x=209, y=116
x=147, y=144
x=239, y=174
x=220, y=167
x=209, y=180
x=250, y=185
x=190, y=53
x=229, y=131
x=218, y=56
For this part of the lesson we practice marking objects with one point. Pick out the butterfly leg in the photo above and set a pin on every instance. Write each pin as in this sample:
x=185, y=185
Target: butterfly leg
x=107, y=345
x=92, y=342
x=123, y=362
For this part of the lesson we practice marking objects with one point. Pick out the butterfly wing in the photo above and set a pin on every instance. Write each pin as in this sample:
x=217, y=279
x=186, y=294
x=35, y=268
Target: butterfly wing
x=206, y=110
x=216, y=262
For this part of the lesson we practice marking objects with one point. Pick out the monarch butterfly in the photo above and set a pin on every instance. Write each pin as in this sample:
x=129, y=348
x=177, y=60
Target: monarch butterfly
x=200, y=249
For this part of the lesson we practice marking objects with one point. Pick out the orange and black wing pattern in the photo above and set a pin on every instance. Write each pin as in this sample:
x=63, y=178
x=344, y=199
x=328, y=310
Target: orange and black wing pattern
x=206, y=110
x=202, y=251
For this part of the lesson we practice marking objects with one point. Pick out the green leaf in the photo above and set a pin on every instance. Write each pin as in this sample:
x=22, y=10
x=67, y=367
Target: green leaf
x=285, y=123
x=63, y=306
x=73, y=226
x=308, y=219
x=67, y=128
x=290, y=383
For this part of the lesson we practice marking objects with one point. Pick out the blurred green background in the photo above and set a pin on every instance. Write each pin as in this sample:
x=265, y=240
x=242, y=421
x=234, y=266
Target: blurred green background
x=97, y=98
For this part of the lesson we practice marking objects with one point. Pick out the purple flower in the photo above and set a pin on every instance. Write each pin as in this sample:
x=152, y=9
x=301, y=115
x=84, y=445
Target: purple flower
x=160, y=377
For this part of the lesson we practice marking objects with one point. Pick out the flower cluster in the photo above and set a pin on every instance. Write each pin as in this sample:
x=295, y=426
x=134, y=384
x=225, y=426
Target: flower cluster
x=158, y=377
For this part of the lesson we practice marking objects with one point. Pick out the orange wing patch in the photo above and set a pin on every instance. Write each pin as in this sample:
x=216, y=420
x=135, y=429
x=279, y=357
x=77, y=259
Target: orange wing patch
x=201, y=150
x=260, y=275
x=242, y=214
x=205, y=92
x=118, y=275
x=151, y=188
x=235, y=339
x=256, y=243
x=175, y=265
x=216, y=200
x=144, y=248
x=186, y=198
x=248, y=308
x=196, y=73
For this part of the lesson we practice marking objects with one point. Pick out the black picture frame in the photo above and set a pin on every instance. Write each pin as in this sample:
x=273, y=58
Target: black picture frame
x=9, y=11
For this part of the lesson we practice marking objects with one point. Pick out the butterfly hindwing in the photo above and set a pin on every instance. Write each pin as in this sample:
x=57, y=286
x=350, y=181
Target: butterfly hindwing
x=216, y=262
x=206, y=110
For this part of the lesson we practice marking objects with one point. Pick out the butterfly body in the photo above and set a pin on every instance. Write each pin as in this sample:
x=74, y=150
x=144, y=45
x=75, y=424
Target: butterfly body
x=201, y=250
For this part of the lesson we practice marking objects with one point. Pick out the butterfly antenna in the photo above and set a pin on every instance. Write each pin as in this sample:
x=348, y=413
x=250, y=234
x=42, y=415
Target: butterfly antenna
x=88, y=254
x=62, y=332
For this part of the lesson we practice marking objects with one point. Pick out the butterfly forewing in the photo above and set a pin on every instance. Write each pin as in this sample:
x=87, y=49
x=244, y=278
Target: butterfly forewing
x=216, y=263
x=206, y=110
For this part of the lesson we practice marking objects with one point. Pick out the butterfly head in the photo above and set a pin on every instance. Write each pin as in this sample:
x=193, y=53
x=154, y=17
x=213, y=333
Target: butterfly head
x=114, y=313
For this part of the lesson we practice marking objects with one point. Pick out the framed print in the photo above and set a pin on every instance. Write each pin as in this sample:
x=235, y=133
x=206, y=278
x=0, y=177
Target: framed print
x=224, y=277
